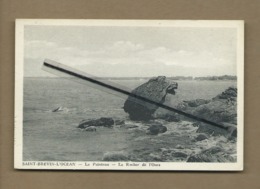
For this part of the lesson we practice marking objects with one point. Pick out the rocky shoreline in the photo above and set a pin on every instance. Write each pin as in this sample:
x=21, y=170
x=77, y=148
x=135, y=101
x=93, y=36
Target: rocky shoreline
x=164, y=141
x=169, y=137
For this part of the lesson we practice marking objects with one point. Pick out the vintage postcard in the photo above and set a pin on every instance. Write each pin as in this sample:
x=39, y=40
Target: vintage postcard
x=129, y=95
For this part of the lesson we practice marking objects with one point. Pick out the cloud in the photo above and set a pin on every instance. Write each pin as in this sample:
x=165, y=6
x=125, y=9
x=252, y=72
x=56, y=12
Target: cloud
x=126, y=46
x=35, y=49
x=126, y=54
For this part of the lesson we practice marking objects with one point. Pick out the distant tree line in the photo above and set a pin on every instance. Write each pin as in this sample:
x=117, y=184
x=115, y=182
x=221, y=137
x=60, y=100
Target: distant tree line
x=213, y=78
x=181, y=78
x=224, y=77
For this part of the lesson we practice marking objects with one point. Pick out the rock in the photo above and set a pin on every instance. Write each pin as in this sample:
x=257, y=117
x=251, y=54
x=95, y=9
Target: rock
x=178, y=146
x=201, y=137
x=115, y=156
x=91, y=129
x=213, y=154
x=170, y=117
x=230, y=93
x=57, y=109
x=197, y=102
x=229, y=131
x=103, y=121
x=221, y=109
x=179, y=155
x=218, y=109
x=232, y=130
x=196, y=124
x=129, y=126
x=155, y=90
x=60, y=109
x=155, y=157
x=156, y=128
x=119, y=122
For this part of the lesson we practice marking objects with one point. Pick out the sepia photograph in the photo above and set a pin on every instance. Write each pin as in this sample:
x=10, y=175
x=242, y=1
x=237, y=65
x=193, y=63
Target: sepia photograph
x=129, y=94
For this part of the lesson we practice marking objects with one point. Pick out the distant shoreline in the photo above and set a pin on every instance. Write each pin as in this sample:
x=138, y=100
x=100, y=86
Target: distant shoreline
x=181, y=78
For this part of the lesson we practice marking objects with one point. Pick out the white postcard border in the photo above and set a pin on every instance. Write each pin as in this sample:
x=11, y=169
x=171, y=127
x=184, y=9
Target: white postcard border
x=88, y=165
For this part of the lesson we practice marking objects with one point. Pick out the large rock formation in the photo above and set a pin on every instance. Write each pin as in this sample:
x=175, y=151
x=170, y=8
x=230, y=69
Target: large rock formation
x=221, y=109
x=155, y=90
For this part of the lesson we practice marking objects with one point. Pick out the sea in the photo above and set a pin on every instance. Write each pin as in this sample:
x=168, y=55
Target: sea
x=54, y=136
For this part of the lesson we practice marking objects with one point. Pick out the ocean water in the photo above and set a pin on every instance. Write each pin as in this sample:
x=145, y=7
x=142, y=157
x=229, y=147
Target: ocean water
x=54, y=136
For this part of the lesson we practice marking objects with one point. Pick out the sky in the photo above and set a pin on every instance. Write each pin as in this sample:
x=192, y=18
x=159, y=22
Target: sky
x=132, y=51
